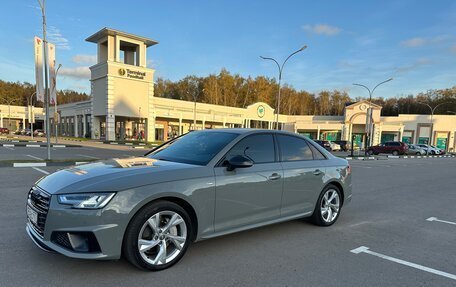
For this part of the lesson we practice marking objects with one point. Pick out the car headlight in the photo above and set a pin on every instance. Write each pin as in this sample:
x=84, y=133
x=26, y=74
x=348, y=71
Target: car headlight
x=86, y=200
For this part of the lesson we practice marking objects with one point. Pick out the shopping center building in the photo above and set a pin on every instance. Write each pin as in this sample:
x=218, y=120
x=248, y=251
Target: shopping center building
x=123, y=107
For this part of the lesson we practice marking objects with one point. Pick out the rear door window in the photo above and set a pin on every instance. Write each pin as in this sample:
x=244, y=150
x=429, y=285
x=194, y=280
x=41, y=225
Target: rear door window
x=294, y=148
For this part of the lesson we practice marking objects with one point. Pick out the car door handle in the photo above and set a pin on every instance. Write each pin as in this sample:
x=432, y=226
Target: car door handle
x=317, y=172
x=274, y=176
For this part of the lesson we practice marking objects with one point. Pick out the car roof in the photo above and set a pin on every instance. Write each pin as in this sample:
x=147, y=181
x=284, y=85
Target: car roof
x=246, y=131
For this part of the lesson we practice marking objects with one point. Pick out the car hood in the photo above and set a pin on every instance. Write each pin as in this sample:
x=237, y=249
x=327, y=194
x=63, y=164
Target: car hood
x=115, y=175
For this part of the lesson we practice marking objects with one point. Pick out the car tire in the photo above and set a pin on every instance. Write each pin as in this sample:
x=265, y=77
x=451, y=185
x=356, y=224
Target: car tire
x=327, y=211
x=150, y=226
x=418, y=153
x=395, y=152
x=432, y=152
x=370, y=152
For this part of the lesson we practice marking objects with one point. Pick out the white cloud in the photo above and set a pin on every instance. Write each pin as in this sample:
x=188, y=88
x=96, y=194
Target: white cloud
x=414, y=42
x=85, y=59
x=76, y=72
x=453, y=49
x=322, y=29
x=414, y=66
x=55, y=37
x=420, y=41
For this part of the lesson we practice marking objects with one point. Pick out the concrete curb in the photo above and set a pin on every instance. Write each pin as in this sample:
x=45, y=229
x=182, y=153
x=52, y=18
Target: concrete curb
x=40, y=145
x=399, y=157
x=41, y=164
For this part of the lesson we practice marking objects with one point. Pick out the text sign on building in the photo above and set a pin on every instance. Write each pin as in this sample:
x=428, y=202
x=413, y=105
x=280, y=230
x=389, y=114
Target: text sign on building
x=132, y=74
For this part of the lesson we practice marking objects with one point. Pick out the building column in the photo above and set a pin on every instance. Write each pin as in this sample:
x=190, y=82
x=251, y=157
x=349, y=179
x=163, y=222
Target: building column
x=76, y=128
x=350, y=131
x=1, y=120
x=204, y=123
x=401, y=133
x=95, y=127
x=346, y=132
x=23, y=122
x=180, y=124
x=84, y=124
x=318, y=132
x=110, y=115
x=224, y=122
x=151, y=116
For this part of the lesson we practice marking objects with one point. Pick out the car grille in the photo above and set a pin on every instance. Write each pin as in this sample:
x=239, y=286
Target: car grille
x=39, y=200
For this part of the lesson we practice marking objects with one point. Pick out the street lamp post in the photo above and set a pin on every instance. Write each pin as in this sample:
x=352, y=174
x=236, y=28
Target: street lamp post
x=46, y=87
x=280, y=67
x=432, y=109
x=370, y=128
x=194, y=108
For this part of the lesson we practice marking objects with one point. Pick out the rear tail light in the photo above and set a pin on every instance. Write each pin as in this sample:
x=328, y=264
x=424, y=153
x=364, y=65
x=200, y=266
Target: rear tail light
x=348, y=169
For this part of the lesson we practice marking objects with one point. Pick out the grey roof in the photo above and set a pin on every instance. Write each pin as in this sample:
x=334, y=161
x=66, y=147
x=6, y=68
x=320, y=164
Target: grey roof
x=112, y=32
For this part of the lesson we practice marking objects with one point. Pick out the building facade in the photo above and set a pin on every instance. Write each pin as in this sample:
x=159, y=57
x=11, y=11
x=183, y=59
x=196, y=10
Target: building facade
x=123, y=107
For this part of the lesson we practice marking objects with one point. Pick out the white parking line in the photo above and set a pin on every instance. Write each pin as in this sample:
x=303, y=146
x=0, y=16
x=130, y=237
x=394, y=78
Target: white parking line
x=40, y=170
x=439, y=220
x=364, y=249
x=89, y=156
x=35, y=157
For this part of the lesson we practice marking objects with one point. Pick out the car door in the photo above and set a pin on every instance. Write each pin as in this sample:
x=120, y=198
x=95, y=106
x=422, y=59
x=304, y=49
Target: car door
x=304, y=170
x=250, y=195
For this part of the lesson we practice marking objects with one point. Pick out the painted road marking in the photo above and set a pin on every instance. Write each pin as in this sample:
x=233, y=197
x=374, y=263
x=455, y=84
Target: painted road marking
x=364, y=249
x=89, y=156
x=40, y=170
x=35, y=157
x=28, y=164
x=439, y=220
x=32, y=145
x=10, y=148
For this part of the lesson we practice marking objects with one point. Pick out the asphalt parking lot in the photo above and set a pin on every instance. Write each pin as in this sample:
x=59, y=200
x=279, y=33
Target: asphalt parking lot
x=392, y=200
x=69, y=153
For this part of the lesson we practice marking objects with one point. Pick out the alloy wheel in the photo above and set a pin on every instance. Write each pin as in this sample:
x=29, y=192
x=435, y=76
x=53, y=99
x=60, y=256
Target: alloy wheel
x=330, y=205
x=162, y=237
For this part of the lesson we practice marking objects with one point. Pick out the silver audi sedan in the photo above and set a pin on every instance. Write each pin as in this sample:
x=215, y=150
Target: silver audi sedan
x=198, y=186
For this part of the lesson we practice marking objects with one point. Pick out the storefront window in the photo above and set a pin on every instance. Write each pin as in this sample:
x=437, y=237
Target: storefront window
x=423, y=140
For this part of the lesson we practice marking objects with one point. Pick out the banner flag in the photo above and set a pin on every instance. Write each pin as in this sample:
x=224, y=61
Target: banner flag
x=52, y=75
x=39, y=69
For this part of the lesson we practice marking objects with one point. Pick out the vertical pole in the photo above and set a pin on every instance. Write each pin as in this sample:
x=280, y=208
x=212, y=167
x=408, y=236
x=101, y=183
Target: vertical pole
x=432, y=127
x=46, y=86
x=194, y=114
x=278, y=100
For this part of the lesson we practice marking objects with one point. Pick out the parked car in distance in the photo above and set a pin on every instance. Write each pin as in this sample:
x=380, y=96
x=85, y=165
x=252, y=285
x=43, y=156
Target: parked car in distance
x=325, y=144
x=38, y=133
x=429, y=149
x=441, y=151
x=344, y=145
x=4, y=131
x=394, y=148
x=415, y=150
x=197, y=186
x=334, y=146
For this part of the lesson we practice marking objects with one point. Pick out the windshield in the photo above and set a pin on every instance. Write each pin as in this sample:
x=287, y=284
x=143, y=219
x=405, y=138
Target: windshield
x=194, y=148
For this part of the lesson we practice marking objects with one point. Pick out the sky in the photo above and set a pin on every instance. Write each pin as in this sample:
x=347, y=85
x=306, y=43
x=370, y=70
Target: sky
x=348, y=41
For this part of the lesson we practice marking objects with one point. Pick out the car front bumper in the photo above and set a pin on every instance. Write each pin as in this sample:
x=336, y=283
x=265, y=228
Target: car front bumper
x=79, y=233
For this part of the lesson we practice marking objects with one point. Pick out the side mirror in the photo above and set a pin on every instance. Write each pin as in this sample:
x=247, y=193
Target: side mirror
x=238, y=161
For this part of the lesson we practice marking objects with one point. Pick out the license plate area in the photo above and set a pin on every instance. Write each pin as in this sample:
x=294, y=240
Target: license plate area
x=32, y=215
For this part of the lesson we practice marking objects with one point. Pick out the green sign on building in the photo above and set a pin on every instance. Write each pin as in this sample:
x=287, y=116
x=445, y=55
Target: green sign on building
x=441, y=143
